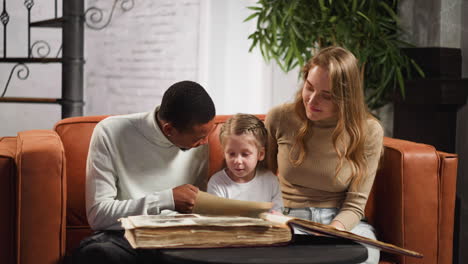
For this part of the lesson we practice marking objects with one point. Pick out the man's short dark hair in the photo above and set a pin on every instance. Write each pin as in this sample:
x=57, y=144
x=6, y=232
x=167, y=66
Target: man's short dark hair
x=186, y=104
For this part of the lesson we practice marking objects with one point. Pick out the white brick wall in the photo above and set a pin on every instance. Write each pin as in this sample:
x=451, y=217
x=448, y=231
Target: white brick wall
x=139, y=55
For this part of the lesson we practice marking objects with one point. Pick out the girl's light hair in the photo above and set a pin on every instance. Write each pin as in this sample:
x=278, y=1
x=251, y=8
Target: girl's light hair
x=347, y=94
x=247, y=124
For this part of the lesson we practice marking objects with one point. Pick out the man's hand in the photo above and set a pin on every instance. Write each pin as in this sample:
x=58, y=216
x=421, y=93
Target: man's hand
x=184, y=198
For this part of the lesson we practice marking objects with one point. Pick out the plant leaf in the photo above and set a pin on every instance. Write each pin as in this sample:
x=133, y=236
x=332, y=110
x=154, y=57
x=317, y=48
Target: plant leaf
x=255, y=8
x=251, y=17
x=390, y=11
x=364, y=16
x=418, y=69
x=401, y=82
x=298, y=34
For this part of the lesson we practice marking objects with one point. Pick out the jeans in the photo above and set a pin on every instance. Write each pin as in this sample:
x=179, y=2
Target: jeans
x=325, y=216
x=111, y=247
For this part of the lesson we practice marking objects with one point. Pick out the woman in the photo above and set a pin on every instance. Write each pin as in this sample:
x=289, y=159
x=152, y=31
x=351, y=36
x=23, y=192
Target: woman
x=326, y=146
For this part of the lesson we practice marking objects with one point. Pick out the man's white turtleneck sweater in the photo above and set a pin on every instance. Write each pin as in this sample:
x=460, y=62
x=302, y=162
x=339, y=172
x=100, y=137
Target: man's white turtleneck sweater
x=132, y=168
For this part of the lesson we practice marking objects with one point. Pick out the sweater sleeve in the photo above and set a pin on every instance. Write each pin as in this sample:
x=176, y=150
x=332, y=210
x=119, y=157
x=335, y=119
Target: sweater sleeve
x=272, y=121
x=276, y=198
x=352, y=209
x=102, y=207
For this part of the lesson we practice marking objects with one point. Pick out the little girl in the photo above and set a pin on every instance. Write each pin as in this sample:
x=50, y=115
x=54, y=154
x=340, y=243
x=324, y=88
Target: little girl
x=243, y=138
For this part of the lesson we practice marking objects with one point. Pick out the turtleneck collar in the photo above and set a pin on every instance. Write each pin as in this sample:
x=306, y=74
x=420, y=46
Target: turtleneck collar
x=325, y=123
x=153, y=132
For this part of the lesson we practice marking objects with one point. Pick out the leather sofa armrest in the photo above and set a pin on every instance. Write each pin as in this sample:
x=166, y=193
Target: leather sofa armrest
x=41, y=197
x=407, y=198
x=7, y=199
x=448, y=183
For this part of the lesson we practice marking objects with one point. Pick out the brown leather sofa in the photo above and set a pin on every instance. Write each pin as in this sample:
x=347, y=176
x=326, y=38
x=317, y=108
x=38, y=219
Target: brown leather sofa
x=42, y=174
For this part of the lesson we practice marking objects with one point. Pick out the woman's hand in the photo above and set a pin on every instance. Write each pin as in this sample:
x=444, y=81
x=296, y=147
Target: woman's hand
x=338, y=225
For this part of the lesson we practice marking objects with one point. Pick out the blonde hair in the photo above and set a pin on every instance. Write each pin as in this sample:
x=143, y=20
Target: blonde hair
x=348, y=96
x=245, y=124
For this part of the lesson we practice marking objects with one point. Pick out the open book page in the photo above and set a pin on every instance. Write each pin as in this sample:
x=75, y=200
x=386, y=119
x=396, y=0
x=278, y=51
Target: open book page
x=209, y=204
x=157, y=221
x=314, y=227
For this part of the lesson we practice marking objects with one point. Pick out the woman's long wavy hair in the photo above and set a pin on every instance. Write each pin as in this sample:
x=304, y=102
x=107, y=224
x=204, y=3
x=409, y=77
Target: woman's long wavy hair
x=347, y=94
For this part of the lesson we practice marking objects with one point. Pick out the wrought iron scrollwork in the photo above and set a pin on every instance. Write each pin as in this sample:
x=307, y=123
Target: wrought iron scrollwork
x=58, y=52
x=94, y=16
x=4, y=18
x=29, y=4
x=39, y=49
x=22, y=74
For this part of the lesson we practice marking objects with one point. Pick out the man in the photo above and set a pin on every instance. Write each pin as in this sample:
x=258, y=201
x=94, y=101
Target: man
x=145, y=163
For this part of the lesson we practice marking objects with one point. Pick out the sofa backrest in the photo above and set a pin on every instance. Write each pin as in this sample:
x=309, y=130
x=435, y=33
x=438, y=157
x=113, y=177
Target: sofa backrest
x=75, y=134
x=412, y=200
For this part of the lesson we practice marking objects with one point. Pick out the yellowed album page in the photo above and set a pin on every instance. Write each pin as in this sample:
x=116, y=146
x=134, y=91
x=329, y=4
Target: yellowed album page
x=208, y=204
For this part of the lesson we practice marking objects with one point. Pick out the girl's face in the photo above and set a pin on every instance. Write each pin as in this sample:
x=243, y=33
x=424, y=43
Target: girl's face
x=241, y=154
x=316, y=95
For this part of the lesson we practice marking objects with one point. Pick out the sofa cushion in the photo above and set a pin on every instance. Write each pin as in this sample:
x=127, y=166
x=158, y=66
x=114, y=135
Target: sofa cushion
x=75, y=134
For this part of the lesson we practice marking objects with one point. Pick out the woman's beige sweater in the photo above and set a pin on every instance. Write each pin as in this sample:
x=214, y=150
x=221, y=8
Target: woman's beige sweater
x=313, y=183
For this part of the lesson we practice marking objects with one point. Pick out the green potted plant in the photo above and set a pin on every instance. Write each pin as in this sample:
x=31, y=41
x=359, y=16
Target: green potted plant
x=289, y=32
